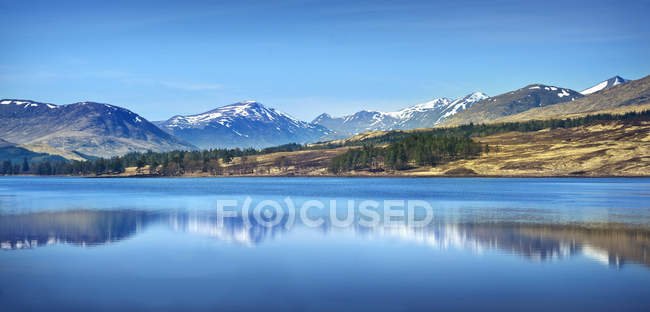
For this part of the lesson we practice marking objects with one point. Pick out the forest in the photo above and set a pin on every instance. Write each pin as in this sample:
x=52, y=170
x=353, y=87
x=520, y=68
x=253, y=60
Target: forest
x=421, y=149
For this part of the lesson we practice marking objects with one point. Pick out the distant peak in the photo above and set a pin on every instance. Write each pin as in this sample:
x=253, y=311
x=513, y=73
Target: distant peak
x=323, y=116
x=477, y=95
x=17, y=101
x=616, y=80
x=431, y=104
x=469, y=99
x=541, y=87
x=26, y=103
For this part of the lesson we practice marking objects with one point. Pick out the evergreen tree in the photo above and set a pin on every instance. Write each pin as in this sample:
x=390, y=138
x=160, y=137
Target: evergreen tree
x=6, y=167
x=25, y=165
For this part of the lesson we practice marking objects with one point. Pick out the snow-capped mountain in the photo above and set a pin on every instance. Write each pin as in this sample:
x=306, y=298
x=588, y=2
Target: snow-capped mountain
x=616, y=80
x=243, y=124
x=91, y=128
x=513, y=102
x=422, y=115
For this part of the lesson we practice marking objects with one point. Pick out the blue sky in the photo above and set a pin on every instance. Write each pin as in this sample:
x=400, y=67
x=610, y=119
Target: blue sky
x=162, y=58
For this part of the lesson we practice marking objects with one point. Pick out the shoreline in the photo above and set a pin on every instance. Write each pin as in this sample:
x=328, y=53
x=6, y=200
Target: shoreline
x=342, y=176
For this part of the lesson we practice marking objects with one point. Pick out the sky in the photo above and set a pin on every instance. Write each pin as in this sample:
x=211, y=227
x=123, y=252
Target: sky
x=161, y=59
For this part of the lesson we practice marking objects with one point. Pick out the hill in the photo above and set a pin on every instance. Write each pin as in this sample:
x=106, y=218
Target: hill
x=90, y=128
x=510, y=103
x=16, y=154
x=630, y=96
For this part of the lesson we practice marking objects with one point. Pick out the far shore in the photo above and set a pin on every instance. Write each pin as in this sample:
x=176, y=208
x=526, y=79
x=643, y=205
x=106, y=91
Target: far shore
x=357, y=176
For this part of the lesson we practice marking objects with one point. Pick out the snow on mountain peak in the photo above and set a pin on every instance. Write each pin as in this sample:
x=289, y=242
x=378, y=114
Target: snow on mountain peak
x=409, y=111
x=242, y=124
x=422, y=115
x=461, y=103
x=225, y=115
x=25, y=103
x=477, y=96
x=616, y=80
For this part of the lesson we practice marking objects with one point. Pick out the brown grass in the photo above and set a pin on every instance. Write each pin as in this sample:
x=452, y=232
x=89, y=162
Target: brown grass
x=605, y=149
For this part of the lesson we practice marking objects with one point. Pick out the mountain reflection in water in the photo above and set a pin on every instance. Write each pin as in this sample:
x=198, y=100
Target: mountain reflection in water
x=611, y=244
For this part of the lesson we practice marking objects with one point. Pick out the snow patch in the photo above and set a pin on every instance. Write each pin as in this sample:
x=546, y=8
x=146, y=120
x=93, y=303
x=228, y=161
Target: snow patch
x=563, y=93
x=595, y=88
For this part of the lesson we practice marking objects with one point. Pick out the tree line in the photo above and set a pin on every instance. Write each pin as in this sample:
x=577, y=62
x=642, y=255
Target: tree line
x=482, y=130
x=420, y=149
x=174, y=163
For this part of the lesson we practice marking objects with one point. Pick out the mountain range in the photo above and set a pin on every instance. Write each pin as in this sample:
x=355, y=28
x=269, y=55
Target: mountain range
x=633, y=95
x=423, y=115
x=89, y=129
x=531, y=96
x=243, y=124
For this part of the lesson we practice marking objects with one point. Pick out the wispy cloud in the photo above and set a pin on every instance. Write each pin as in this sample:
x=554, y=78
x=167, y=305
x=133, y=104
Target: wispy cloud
x=112, y=75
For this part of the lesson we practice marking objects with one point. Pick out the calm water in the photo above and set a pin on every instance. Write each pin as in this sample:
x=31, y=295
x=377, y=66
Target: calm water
x=158, y=244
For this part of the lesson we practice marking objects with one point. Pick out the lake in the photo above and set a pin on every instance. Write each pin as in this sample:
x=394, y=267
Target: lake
x=83, y=244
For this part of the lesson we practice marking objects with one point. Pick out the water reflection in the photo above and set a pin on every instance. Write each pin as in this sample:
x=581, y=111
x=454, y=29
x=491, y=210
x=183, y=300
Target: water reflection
x=609, y=244
x=79, y=227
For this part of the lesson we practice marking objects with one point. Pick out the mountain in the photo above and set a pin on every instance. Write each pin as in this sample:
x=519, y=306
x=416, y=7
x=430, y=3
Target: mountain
x=430, y=114
x=528, y=97
x=358, y=122
x=90, y=128
x=418, y=116
x=616, y=80
x=633, y=95
x=243, y=124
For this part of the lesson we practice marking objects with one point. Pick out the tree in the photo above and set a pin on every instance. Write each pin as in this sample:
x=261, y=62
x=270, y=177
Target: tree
x=6, y=167
x=153, y=167
x=15, y=169
x=140, y=163
x=25, y=165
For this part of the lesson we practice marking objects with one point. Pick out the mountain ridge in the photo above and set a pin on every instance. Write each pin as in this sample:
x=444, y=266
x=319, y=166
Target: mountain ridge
x=616, y=80
x=421, y=115
x=91, y=128
x=242, y=124
x=621, y=98
x=513, y=102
